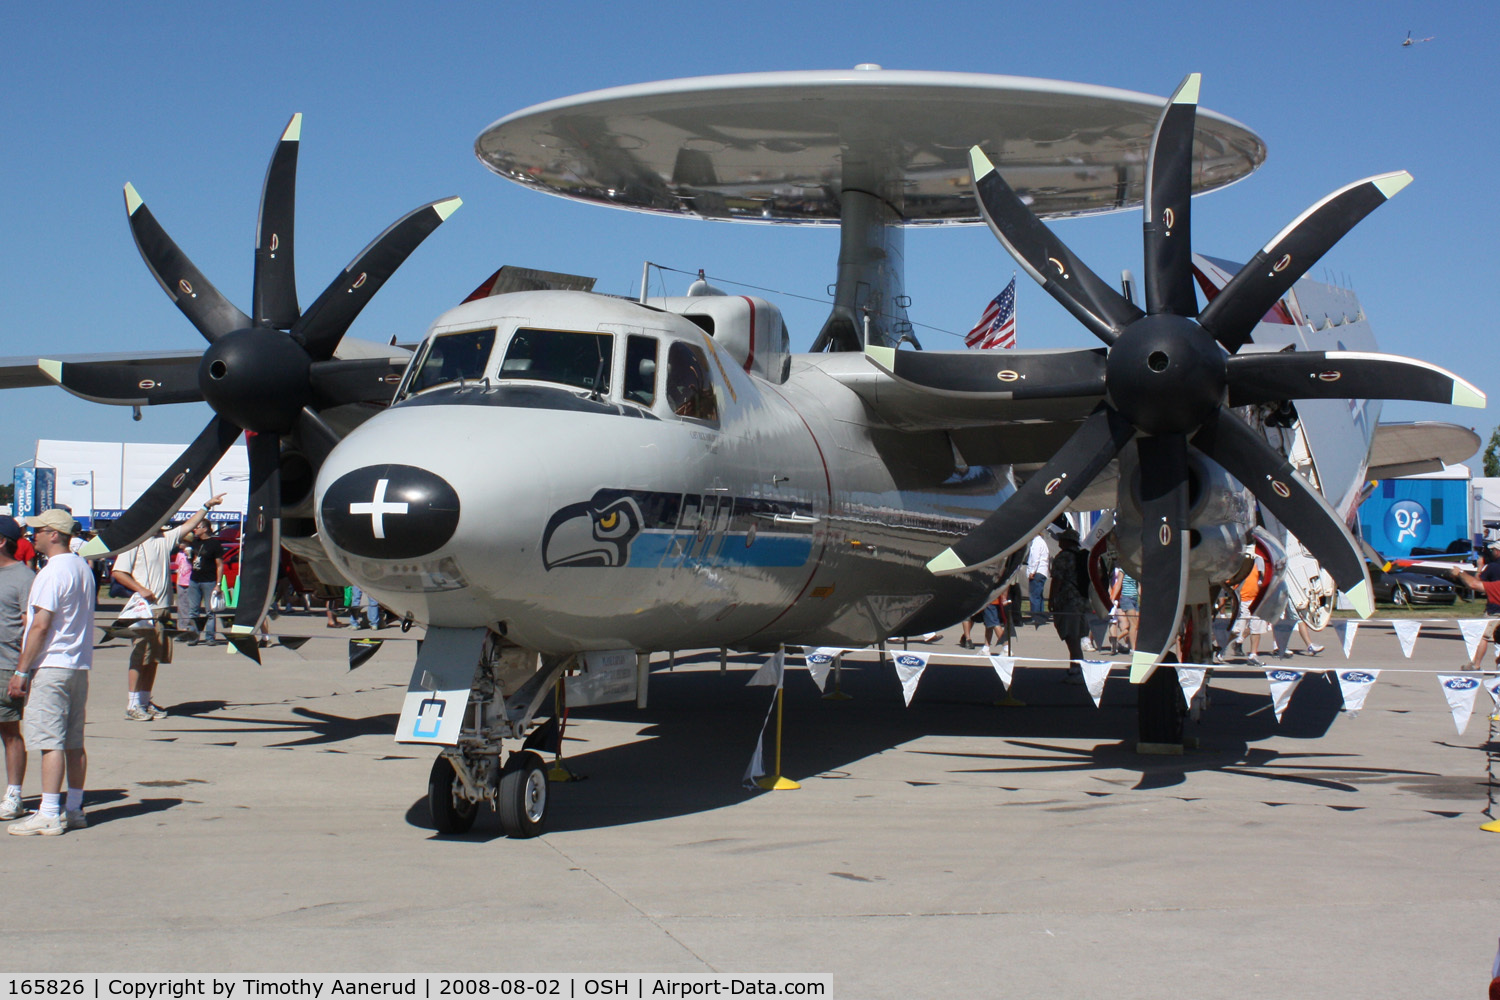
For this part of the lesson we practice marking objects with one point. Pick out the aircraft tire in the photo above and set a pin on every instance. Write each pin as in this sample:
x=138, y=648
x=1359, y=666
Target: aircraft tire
x=451, y=812
x=1160, y=710
x=523, y=795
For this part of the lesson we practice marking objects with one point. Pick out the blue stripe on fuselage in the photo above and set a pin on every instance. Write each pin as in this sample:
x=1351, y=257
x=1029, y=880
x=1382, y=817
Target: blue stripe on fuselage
x=651, y=549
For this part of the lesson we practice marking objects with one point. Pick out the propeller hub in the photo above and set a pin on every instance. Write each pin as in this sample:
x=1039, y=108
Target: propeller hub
x=1165, y=374
x=258, y=378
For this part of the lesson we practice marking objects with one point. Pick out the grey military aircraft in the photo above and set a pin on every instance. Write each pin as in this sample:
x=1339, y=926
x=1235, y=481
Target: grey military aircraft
x=557, y=482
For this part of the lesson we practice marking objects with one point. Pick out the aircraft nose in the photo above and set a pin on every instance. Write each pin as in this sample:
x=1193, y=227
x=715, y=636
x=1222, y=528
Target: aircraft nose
x=390, y=511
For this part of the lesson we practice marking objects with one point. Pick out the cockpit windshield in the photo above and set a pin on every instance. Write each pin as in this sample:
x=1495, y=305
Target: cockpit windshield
x=451, y=357
x=581, y=360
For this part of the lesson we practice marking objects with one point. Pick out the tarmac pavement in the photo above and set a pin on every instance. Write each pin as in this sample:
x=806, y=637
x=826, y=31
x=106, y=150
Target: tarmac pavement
x=952, y=848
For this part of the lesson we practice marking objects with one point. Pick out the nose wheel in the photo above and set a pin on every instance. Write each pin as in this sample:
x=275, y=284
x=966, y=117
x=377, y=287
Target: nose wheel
x=522, y=797
x=453, y=812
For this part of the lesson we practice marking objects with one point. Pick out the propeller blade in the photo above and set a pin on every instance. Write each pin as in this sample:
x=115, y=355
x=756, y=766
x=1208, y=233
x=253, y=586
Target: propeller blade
x=995, y=374
x=322, y=327
x=1169, y=190
x=316, y=436
x=260, y=545
x=275, y=289
x=360, y=651
x=1246, y=455
x=142, y=382
x=166, y=496
x=245, y=645
x=1234, y=312
x=355, y=380
x=1164, y=550
x=203, y=304
x=1044, y=495
x=1263, y=378
x=1046, y=258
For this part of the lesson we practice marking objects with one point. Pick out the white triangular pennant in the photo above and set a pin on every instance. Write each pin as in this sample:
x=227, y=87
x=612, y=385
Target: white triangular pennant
x=1354, y=685
x=1473, y=630
x=1346, y=627
x=1492, y=685
x=1283, y=683
x=769, y=674
x=757, y=760
x=819, y=660
x=1005, y=666
x=1191, y=679
x=1460, y=692
x=1094, y=674
x=909, y=667
x=1406, y=631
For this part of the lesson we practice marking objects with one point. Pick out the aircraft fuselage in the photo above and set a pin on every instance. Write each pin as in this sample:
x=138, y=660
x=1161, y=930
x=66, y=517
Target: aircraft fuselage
x=583, y=472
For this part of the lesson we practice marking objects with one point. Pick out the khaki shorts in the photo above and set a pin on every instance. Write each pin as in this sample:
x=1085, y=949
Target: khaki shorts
x=10, y=708
x=55, y=709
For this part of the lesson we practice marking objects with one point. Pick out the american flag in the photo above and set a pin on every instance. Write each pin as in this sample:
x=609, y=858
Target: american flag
x=997, y=327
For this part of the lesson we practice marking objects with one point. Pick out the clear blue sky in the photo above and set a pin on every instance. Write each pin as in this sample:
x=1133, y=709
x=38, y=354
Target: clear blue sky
x=186, y=101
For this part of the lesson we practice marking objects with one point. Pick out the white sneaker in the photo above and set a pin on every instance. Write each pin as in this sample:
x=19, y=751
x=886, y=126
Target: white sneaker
x=157, y=712
x=75, y=820
x=136, y=713
x=985, y=650
x=1313, y=649
x=37, y=825
x=12, y=808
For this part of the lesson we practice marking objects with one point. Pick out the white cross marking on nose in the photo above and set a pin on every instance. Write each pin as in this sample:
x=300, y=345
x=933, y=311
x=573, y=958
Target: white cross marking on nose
x=377, y=508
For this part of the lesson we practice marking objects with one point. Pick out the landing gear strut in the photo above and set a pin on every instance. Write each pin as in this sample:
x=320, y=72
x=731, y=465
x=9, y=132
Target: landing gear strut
x=469, y=773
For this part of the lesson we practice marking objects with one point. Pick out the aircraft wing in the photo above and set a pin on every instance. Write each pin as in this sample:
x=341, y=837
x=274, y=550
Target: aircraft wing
x=1025, y=393
x=1409, y=449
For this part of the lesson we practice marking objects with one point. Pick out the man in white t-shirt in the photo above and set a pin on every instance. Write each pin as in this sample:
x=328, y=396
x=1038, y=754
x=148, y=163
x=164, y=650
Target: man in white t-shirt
x=1038, y=565
x=144, y=570
x=58, y=650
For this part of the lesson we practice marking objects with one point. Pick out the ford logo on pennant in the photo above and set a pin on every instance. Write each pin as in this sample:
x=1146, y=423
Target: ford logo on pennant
x=1285, y=675
x=909, y=661
x=390, y=512
x=818, y=658
x=1357, y=677
x=1460, y=683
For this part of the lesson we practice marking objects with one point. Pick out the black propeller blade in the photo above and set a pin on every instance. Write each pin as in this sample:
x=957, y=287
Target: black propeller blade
x=1164, y=549
x=322, y=327
x=1044, y=496
x=275, y=288
x=1257, y=286
x=1232, y=443
x=260, y=544
x=255, y=377
x=166, y=496
x=1166, y=377
x=1264, y=378
x=1046, y=258
x=203, y=304
x=996, y=374
x=136, y=382
x=1169, y=188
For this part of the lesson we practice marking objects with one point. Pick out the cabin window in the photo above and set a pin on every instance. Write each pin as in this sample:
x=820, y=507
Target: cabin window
x=690, y=390
x=450, y=357
x=580, y=360
x=640, y=370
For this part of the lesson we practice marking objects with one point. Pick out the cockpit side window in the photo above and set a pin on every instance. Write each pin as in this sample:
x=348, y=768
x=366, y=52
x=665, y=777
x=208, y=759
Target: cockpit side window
x=640, y=370
x=690, y=390
x=581, y=360
x=450, y=357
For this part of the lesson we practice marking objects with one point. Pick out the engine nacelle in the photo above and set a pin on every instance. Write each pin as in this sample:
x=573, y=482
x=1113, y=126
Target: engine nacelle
x=1221, y=516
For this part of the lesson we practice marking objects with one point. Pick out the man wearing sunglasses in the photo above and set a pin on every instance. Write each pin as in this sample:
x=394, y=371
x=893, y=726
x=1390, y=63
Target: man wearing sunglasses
x=53, y=673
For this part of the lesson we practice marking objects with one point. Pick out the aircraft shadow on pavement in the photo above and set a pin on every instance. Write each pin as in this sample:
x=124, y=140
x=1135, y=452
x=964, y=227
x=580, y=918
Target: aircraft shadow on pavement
x=700, y=730
x=310, y=727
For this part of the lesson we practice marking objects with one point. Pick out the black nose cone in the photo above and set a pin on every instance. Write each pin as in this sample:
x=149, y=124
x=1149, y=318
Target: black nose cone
x=390, y=512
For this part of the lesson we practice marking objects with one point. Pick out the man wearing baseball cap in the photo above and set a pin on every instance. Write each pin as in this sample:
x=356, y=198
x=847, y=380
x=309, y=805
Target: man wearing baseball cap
x=53, y=673
x=15, y=584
